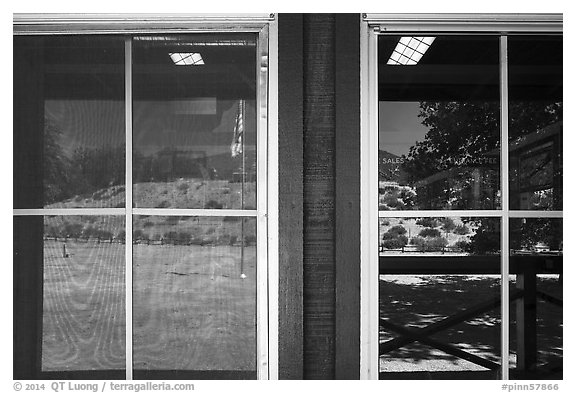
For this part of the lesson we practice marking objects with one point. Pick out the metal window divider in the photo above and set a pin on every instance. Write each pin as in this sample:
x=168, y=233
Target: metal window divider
x=129, y=204
x=505, y=205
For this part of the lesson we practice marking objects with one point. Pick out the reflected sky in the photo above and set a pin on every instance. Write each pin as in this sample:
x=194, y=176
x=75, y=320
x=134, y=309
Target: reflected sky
x=399, y=126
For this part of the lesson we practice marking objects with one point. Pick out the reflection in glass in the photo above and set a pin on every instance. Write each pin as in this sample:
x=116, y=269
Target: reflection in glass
x=439, y=291
x=83, y=324
x=536, y=317
x=439, y=125
x=69, y=122
x=535, y=122
x=195, y=294
x=195, y=124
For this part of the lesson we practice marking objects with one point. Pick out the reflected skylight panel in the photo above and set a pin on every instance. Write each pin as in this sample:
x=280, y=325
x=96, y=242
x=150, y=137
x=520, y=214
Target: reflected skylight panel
x=187, y=58
x=410, y=50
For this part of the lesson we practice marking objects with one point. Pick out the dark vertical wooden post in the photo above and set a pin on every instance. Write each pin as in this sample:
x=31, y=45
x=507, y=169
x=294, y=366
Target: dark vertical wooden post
x=526, y=317
x=319, y=136
x=347, y=196
x=291, y=153
x=319, y=173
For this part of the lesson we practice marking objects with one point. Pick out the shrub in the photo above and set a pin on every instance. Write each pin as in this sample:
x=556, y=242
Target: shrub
x=397, y=230
x=183, y=187
x=408, y=196
x=184, y=237
x=428, y=222
x=417, y=241
x=429, y=232
x=436, y=244
x=388, y=236
x=163, y=205
x=430, y=244
x=250, y=240
x=384, y=223
x=197, y=240
x=51, y=231
x=138, y=234
x=102, y=234
x=212, y=204
x=171, y=237
x=98, y=195
x=447, y=224
x=72, y=230
x=393, y=202
x=392, y=244
x=88, y=232
x=148, y=224
x=172, y=219
x=121, y=235
x=463, y=245
x=461, y=230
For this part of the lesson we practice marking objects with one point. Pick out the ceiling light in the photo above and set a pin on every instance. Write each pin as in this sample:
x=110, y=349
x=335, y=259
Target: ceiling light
x=187, y=58
x=410, y=50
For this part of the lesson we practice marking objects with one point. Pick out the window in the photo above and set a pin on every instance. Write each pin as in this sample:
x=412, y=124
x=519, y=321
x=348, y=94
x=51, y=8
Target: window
x=141, y=198
x=462, y=194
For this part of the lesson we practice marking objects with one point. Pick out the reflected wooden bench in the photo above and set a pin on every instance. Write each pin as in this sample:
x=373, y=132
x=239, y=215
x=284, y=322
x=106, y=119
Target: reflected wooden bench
x=525, y=294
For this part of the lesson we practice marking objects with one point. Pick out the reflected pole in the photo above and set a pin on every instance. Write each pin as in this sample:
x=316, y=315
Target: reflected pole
x=242, y=275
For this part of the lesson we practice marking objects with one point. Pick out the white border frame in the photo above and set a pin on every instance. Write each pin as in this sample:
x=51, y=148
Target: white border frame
x=266, y=213
x=372, y=26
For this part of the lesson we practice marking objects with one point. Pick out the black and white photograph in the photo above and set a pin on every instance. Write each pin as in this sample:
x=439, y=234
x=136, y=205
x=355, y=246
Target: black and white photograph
x=288, y=196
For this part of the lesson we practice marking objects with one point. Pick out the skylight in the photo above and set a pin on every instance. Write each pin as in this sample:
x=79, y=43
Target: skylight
x=187, y=58
x=410, y=50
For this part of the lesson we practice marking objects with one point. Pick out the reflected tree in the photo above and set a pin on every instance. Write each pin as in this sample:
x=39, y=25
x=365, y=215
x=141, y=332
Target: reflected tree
x=462, y=131
x=56, y=165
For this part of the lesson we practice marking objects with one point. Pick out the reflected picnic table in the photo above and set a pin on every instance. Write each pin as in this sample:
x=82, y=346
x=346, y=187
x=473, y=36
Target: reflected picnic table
x=525, y=294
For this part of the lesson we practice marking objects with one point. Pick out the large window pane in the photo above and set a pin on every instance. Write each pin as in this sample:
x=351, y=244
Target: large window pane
x=83, y=324
x=535, y=122
x=439, y=298
x=69, y=122
x=195, y=296
x=439, y=123
x=195, y=121
x=536, y=317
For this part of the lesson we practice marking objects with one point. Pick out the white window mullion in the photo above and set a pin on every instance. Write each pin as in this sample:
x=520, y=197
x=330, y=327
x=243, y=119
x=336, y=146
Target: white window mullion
x=505, y=201
x=261, y=204
x=369, y=317
x=195, y=212
x=70, y=212
x=129, y=188
x=438, y=213
x=272, y=193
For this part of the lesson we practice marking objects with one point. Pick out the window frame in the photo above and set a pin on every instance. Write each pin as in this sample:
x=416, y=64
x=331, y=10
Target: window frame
x=266, y=212
x=372, y=26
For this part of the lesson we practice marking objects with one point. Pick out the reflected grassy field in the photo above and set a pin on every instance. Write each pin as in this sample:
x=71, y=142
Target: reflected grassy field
x=192, y=310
